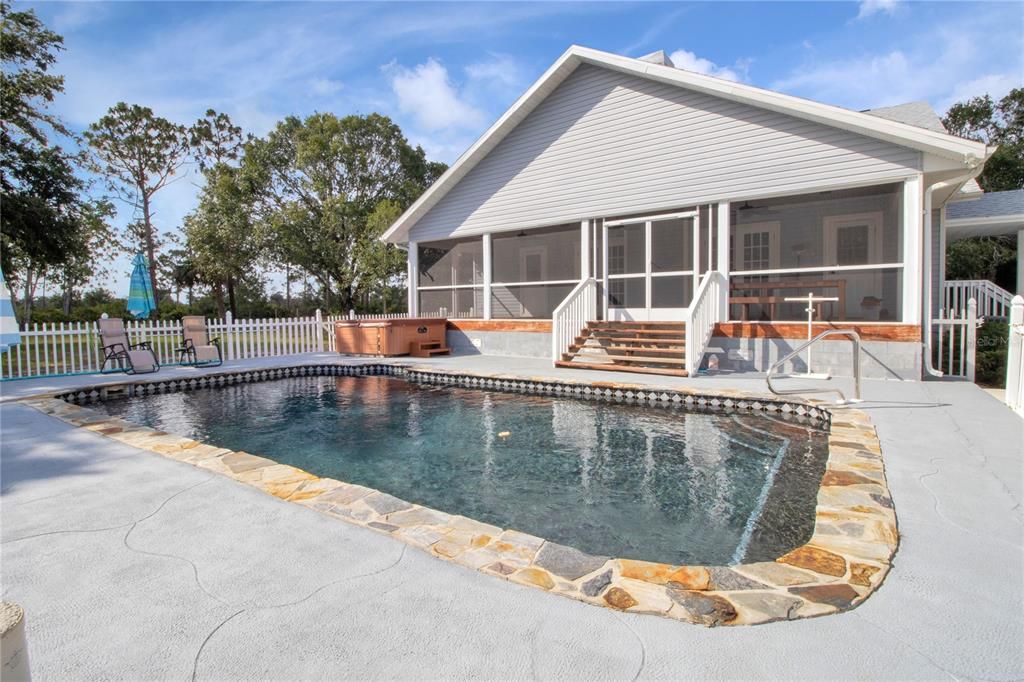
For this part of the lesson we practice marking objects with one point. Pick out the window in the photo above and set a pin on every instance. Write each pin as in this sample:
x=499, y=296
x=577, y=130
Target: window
x=845, y=245
x=451, y=278
x=534, y=270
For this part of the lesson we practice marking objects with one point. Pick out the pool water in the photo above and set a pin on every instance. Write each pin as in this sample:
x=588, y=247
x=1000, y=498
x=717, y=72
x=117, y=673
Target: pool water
x=631, y=481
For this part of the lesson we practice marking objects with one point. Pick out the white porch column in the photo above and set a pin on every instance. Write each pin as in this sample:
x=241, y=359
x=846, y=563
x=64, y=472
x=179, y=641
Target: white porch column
x=913, y=273
x=723, y=256
x=604, y=269
x=487, y=276
x=584, y=249
x=1020, y=262
x=413, y=261
x=695, y=260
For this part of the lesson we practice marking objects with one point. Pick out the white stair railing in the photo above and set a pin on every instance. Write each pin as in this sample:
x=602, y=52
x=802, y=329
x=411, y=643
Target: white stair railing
x=992, y=299
x=702, y=315
x=572, y=315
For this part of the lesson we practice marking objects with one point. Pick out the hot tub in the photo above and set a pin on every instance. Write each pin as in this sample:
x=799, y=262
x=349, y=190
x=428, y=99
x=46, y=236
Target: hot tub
x=387, y=337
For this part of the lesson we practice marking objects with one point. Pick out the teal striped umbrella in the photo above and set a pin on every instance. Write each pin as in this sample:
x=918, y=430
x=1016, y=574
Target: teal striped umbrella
x=9, y=335
x=140, y=294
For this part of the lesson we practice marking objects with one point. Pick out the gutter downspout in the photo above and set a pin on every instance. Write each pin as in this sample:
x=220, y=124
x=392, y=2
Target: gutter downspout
x=979, y=165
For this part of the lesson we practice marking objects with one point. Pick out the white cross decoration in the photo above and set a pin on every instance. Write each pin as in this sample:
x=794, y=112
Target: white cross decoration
x=810, y=299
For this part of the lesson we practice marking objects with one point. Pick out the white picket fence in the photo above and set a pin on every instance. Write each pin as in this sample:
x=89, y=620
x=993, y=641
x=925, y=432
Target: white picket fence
x=1015, y=357
x=955, y=342
x=50, y=349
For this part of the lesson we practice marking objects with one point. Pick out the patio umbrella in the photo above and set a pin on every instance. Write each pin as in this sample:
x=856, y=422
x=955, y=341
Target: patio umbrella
x=140, y=294
x=9, y=335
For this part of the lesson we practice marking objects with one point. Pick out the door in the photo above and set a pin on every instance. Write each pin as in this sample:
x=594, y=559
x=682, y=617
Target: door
x=856, y=240
x=650, y=267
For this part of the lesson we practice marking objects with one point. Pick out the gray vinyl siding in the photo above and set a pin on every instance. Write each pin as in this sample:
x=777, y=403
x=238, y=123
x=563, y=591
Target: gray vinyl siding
x=606, y=143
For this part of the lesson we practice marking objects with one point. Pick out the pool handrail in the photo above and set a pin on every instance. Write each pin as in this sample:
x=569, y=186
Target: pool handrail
x=854, y=338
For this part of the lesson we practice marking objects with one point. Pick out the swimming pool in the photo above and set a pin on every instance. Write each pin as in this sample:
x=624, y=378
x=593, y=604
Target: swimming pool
x=656, y=484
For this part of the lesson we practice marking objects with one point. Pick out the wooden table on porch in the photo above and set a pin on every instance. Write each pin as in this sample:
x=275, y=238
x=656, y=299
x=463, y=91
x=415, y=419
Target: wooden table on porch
x=759, y=293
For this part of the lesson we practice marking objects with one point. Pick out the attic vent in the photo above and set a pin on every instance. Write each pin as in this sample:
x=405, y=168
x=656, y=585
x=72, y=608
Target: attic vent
x=658, y=57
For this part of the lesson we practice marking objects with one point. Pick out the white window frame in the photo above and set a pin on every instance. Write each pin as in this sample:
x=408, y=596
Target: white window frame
x=774, y=230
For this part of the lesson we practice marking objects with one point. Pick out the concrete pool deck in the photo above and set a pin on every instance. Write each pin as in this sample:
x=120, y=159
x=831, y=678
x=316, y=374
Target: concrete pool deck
x=133, y=566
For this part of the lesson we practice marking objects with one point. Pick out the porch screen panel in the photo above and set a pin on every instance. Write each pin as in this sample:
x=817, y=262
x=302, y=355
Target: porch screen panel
x=534, y=270
x=451, y=278
x=845, y=244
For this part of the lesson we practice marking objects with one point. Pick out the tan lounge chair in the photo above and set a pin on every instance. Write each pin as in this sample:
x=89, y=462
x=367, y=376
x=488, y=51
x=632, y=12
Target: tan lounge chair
x=132, y=358
x=198, y=349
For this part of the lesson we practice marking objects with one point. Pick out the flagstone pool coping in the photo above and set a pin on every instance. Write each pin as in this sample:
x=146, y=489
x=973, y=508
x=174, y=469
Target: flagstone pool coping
x=847, y=557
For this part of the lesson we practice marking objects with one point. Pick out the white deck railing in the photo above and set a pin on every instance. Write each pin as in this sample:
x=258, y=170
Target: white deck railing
x=49, y=349
x=572, y=315
x=992, y=299
x=1015, y=357
x=704, y=312
x=954, y=342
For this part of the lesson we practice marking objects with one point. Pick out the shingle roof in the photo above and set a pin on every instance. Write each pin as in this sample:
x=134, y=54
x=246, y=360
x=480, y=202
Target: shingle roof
x=918, y=114
x=989, y=205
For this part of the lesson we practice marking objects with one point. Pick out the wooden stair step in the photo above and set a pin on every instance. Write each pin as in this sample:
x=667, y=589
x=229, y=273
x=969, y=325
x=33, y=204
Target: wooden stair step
x=628, y=349
x=612, y=367
x=639, y=332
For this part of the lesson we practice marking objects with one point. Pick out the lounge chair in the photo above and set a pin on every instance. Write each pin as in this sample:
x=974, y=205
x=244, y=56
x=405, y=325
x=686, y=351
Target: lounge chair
x=198, y=349
x=131, y=358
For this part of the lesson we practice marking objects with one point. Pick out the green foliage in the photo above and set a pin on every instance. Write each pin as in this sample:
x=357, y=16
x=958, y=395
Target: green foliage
x=224, y=239
x=990, y=354
x=215, y=139
x=325, y=187
x=46, y=225
x=139, y=153
x=980, y=257
x=997, y=123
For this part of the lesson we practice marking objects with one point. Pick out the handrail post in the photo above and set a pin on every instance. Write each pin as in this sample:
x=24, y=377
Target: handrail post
x=319, y=331
x=229, y=335
x=972, y=335
x=1015, y=356
x=854, y=339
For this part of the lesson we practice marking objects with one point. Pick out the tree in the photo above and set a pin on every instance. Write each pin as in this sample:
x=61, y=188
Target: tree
x=140, y=154
x=47, y=223
x=215, y=140
x=318, y=181
x=223, y=238
x=997, y=123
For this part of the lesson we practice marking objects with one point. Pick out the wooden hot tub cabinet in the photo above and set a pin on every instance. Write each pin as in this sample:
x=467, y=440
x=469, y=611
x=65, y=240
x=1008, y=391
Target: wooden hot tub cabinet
x=386, y=338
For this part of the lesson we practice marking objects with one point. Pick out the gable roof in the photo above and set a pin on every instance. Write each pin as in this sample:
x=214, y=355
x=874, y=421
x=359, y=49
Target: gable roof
x=967, y=152
x=918, y=114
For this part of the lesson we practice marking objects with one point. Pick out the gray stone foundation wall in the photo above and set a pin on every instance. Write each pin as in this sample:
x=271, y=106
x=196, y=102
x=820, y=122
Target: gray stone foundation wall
x=519, y=344
x=879, y=359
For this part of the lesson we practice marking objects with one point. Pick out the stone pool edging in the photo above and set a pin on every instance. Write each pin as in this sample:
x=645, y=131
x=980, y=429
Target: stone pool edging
x=850, y=551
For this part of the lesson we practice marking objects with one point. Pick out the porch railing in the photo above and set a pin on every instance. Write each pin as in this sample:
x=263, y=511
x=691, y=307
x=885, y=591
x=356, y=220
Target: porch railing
x=1015, y=357
x=954, y=343
x=702, y=315
x=60, y=348
x=572, y=315
x=992, y=299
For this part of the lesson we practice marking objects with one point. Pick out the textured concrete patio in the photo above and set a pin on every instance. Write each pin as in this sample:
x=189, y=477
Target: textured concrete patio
x=133, y=566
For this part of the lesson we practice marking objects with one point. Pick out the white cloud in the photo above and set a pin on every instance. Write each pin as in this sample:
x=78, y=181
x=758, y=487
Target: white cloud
x=500, y=72
x=942, y=65
x=871, y=7
x=426, y=93
x=684, y=59
x=324, y=86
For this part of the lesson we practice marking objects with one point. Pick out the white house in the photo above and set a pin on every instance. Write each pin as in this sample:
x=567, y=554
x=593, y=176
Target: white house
x=627, y=214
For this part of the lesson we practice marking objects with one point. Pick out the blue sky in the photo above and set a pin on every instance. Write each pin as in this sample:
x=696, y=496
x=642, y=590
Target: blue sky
x=444, y=72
